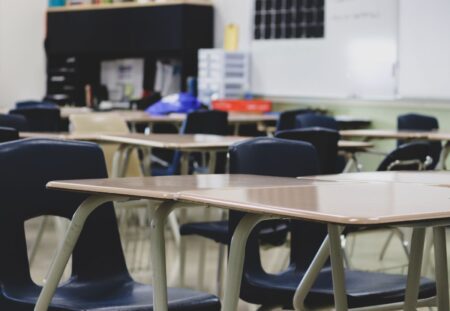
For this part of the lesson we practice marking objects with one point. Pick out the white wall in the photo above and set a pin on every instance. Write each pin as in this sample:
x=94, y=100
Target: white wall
x=22, y=56
x=425, y=48
x=424, y=43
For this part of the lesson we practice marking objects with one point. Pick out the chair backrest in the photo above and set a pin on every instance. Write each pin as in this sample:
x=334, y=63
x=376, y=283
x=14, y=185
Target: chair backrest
x=8, y=134
x=35, y=104
x=413, y=156
x=40, y=119
x=106, y=123
x=212, y=122
x=17, y=122
x=26, y=166
x=419, y=122
x=314, y=119
x=286, y=120
x=206, y=122
x=284, y=158
x=324, y=140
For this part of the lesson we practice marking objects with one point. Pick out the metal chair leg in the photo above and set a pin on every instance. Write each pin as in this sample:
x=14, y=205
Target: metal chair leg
x=38, y=239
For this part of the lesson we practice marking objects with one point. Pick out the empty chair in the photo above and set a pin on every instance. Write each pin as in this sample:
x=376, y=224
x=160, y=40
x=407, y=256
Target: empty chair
x=212, y=122
x=314, y=119
x=415, y=156
x=418, y=122
x=324, y=140
x=263, y=156
x=8, y=134
x=268, y=290
x=17, y=122
x=40, y=119
x=286, y=120
x=100, y=279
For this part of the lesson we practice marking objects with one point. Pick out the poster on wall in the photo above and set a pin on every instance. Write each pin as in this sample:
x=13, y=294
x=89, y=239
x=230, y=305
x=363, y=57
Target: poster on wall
x=124, y=78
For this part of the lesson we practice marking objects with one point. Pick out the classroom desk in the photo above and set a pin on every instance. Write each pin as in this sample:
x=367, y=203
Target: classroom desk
x=335, y=203
x=185, y=144
x=440, y=136
x=203, y=143
x=433, y=178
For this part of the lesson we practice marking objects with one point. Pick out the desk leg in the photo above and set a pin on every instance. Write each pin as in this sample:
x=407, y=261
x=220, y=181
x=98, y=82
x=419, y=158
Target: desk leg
x=212, y=162
x=184, y=165
x=444, y=155
x=414, y=269
x=158, y=255
x=236, y=260
x=311, y=275
x=117, y=161
x=440, y=255
x=66, y=247
x=337, y=266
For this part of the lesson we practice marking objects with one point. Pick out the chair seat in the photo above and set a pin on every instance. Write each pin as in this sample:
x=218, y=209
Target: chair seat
x=115, y=295
x=274, y=233
x=363, y=289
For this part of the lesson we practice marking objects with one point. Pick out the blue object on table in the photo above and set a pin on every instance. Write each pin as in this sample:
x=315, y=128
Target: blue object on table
x=324, y=140
x=178, y=103
x=17, y=122
x=419, y=122
x=100, y=279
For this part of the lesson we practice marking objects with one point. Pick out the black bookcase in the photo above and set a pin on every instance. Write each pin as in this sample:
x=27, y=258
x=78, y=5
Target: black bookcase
x=78, y=40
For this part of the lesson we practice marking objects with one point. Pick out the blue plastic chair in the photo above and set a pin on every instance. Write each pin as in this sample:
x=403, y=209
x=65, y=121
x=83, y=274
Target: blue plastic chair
x=17, y=122
x=415, y=156
x=286, y=120
x=100, y=279
x=314, y=119
x=262, y=288
x=8, y=134
x=324, y=140
x=40, y=119
x=418, y=122
x=199, y=122
x=35, y=104
x=280, y=158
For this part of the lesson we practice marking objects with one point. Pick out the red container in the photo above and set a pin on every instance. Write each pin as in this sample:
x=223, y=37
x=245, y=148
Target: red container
x=242, y=105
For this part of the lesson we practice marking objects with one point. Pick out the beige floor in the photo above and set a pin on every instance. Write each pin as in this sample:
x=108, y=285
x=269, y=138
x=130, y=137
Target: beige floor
x=364, y=252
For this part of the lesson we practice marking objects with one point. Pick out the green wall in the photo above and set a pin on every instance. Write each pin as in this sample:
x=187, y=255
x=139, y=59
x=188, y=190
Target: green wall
x=382, y=113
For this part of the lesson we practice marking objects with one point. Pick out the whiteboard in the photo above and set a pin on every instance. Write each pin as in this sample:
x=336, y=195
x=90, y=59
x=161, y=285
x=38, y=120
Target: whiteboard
x=357, y=57
x=424, y=69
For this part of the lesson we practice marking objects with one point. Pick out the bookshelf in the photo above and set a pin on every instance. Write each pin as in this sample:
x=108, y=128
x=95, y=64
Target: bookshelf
x=125, y=5
x=89, y=34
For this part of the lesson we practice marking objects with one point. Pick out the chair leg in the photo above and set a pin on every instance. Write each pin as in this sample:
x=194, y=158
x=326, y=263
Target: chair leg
x=403, y=241
x=236, y=260
x=415, y=262
x=201, y=264
x=427, y=264
x=38, y=239
x=220, y=262
x=182, y=262
x=440, y=255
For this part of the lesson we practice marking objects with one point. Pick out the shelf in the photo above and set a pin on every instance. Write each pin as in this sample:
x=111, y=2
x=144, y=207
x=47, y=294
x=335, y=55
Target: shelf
x=89, y=7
